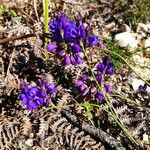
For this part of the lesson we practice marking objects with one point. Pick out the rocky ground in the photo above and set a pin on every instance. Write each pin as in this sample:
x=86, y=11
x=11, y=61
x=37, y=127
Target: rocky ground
x=68, y=126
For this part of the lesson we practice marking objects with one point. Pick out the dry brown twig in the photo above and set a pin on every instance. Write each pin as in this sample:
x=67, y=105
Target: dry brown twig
x=93, y=131
x=13, y=38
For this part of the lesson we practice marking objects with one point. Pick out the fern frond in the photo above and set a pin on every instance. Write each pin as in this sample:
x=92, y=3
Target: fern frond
x=26, y=126
x=43, y=129
x=121, y=109
x=9, y=134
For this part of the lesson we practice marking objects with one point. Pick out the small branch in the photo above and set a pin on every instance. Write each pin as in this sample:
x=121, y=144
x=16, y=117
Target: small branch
x=13, y=38
x=93, y=131
x=23, y=12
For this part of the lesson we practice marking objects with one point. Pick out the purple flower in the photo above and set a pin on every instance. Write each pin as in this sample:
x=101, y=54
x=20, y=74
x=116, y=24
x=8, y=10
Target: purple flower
x=75, y=59
x=99, y=78
x=108, y=88
x=54, y=25
x=83, y=87
x=35, y=96
x=84, y=77
x=78, y=59
x=76, y=48
x=32, y=105
x=67, y=60
x=92, y=40
x=110, y=69
x=82, y=33
x=70, y=32
x=100, y=67
x=23, y=98
x=40, y=101
x=99, y=96
x=142, y=88
x=79, y=83
x=106, y=65
x=60, y=52
x=33, y=91
x=55, y=29
x=50, y=47
x=63, y=20
x=51, y=88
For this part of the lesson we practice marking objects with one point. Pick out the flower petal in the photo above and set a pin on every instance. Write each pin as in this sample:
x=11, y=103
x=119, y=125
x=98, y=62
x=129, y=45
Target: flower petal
x=93, y=40
x=24, y=99
x=50, y=47
x=100, y=67
x=108, y=88
x=99, y=96
x=76, y=48
x=110, y=69
x=67, y=60
x=79, y=83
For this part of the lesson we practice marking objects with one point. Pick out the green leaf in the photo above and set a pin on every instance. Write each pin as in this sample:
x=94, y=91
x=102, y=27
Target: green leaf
x=88, y=106
x=89, y=114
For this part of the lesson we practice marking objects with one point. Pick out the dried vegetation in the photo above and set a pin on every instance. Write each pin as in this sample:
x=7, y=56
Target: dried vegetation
x=21, y=58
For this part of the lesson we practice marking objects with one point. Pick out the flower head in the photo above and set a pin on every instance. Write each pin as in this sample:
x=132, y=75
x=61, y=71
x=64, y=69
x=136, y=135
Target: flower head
x=34, y=96
x=92, y=40
x=68, y=36
x=82, y=32
x=108, y=88
x=106, y=65
x=99, y=96
x=70, y=32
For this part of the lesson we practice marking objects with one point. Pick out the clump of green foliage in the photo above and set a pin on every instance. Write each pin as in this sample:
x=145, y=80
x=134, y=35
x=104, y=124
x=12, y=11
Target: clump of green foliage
x=141, y=9
x=113, y=46
x=9, y=12
x=135, y=11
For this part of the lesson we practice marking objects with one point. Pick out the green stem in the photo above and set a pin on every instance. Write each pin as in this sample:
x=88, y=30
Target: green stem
x=127, y=133
x=127, y=64
x=46, y=18
x=112, y=110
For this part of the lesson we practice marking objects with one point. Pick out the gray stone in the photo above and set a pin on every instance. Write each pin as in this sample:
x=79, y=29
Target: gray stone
x=126, y=40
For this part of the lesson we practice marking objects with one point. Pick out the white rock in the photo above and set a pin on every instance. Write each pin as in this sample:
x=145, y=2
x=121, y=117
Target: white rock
x=126, y=40
x=148, y=89
x=136, y=83
x=148, y=26
x=141, y=27
x=138, y=59
x=147, y=43
x=125, y=28
x=145, y=137
x=143, y=34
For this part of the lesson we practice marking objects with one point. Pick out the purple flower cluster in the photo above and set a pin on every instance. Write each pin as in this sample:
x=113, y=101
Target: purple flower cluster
x=34, y=96
x=68, y=36
x=142, y=88
x=89, y=89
